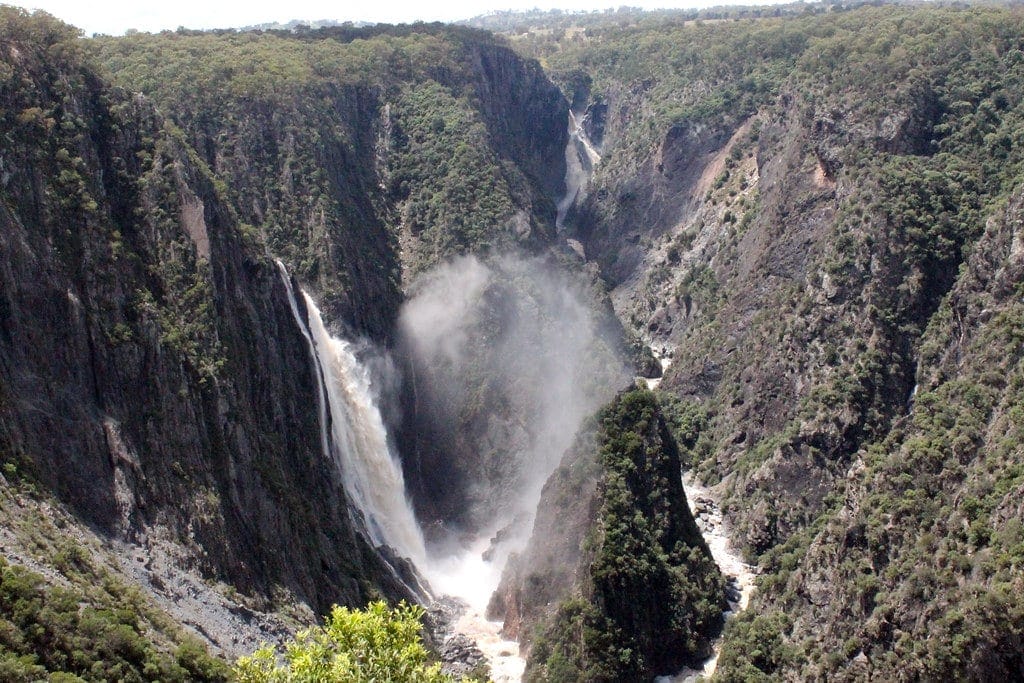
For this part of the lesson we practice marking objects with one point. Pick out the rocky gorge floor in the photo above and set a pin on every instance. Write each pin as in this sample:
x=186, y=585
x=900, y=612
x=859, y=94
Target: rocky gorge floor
x=466, y=641
x=740, y=576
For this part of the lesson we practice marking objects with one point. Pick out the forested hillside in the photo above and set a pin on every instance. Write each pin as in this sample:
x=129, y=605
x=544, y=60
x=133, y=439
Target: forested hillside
x=811, y=215
x=629, y=590
x=363, y=156
x=814, y=217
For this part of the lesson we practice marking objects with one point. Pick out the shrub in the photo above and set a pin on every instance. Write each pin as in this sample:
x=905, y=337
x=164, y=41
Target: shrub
x=355, y=646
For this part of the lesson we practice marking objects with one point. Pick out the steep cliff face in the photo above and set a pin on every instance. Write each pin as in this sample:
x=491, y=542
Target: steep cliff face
x=152, y=377
x=300, y=166
x=616, y=583
x=914, y=573
x=525, y=114
x=364, y=162
x=793, y=273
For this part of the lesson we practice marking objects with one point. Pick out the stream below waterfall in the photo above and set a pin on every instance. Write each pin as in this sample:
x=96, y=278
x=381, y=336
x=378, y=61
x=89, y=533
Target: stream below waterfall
x=739, y=575
x=502, y=655
x=473, y=580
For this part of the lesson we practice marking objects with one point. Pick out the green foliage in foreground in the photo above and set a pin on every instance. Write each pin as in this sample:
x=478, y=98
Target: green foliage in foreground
x=375, y=644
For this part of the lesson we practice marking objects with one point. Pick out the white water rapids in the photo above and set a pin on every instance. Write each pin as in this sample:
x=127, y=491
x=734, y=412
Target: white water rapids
x=473, y=579
x=739, y=575
x=355, y=438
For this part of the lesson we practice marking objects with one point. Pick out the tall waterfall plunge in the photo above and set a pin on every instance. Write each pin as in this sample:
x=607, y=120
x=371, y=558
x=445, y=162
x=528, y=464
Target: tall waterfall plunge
x=580, y=159
x=354, y=437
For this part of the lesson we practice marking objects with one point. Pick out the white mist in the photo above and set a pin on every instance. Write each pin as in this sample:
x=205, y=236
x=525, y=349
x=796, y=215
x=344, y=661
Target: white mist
x=552, y=368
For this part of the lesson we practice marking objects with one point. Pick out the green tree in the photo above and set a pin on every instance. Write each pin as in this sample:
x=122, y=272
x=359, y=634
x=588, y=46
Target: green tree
x=375, y=644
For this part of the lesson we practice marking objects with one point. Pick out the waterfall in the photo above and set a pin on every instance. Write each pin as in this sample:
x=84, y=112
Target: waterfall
x=580, y=160
x=579, y=132
x=354, y=437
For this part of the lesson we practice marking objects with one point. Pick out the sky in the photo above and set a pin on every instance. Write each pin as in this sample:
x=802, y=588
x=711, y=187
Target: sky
x=114, y=17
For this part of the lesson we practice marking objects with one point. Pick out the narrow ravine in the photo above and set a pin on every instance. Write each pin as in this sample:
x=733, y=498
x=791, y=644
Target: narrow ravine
x=739, y=575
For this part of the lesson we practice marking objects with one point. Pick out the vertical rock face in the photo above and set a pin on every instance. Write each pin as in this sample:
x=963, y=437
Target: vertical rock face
x=525, y=114
x=151, y=375
x=616, y=583
x=301, y=168
x=364, y=162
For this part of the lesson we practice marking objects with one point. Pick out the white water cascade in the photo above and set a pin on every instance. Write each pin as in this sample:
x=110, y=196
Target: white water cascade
x=467, y=575
x=580, y=159
x=354, y=436
x=740, y=576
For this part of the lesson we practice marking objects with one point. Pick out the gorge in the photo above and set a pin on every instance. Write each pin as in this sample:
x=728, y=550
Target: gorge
x=524, y=314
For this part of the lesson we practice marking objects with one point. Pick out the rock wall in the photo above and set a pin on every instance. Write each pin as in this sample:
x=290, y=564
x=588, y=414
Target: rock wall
x=364, y=162
x=151, y=376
